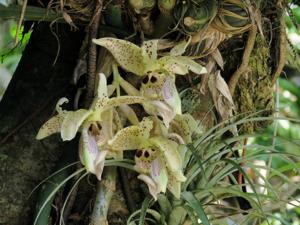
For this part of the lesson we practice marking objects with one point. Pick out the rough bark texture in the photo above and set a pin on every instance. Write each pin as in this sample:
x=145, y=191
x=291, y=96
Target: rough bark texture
x=28, y=102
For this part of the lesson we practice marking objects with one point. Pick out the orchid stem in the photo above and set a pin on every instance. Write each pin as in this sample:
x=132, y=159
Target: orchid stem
x=116, y=75
x=105, y=189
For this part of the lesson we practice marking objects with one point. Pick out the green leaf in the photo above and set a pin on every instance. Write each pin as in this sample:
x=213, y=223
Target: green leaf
x=145, y=206
x=196, y=205
x=51, y=195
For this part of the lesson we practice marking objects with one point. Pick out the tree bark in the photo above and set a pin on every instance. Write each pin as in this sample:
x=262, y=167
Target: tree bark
x=28, y=102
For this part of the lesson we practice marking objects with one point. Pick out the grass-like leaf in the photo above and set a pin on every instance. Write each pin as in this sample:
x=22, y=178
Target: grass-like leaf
x=196, y=206
x=145, y=206
x=61, y=222
x=54, y=192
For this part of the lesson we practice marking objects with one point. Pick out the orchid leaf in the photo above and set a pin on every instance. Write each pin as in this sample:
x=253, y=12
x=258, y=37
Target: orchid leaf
x=145, y=206
x=196, y=205
x=128, y=55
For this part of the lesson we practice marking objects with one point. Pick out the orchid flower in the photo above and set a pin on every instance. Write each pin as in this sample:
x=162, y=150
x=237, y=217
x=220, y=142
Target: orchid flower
x=69, y=122
x=158, y=158
x=159, y=80
x=140, y=60
x=95, y=125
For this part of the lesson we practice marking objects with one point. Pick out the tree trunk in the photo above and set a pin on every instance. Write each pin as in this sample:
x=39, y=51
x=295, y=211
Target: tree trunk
x=29, y=100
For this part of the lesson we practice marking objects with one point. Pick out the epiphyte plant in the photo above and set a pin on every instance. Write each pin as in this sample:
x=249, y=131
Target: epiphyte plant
x=159, y=73
x=159, y=145
x=96, y=125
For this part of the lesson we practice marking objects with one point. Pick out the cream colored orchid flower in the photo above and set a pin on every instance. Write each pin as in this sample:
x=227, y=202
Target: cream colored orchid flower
x=93, y=147
x=159, y=80
x=93, y=139
x=90, y=154
x=69, y=122
x=166, y=102
x=140, y=60
x=157, y=158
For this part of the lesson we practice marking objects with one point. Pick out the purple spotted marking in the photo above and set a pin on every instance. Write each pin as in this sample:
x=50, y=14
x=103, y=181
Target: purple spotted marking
x=155, y=167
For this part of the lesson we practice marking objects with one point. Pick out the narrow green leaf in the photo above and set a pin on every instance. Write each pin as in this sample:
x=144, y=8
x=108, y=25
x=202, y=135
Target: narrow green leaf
x=196, y=205
x=145, y=206
x=51, y=195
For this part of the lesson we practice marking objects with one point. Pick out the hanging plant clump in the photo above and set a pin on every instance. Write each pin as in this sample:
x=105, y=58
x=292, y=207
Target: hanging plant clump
x=233, y=17
x=192, y=16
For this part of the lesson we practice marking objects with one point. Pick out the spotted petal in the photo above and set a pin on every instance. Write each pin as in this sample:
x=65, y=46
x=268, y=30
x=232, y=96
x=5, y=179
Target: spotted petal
x=102, y=87
x=149, y=49
x=180, y=48
x=170, y=64
x=184, y=125
x=181, y=65
x=191, y=65
x=102, y=106
x=128, y=55
x=52, y=126
x=131, y=137
x=129, y=114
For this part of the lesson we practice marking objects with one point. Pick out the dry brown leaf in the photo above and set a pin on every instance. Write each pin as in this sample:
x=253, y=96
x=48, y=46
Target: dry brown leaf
x=221, y=95
x=218, y=58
